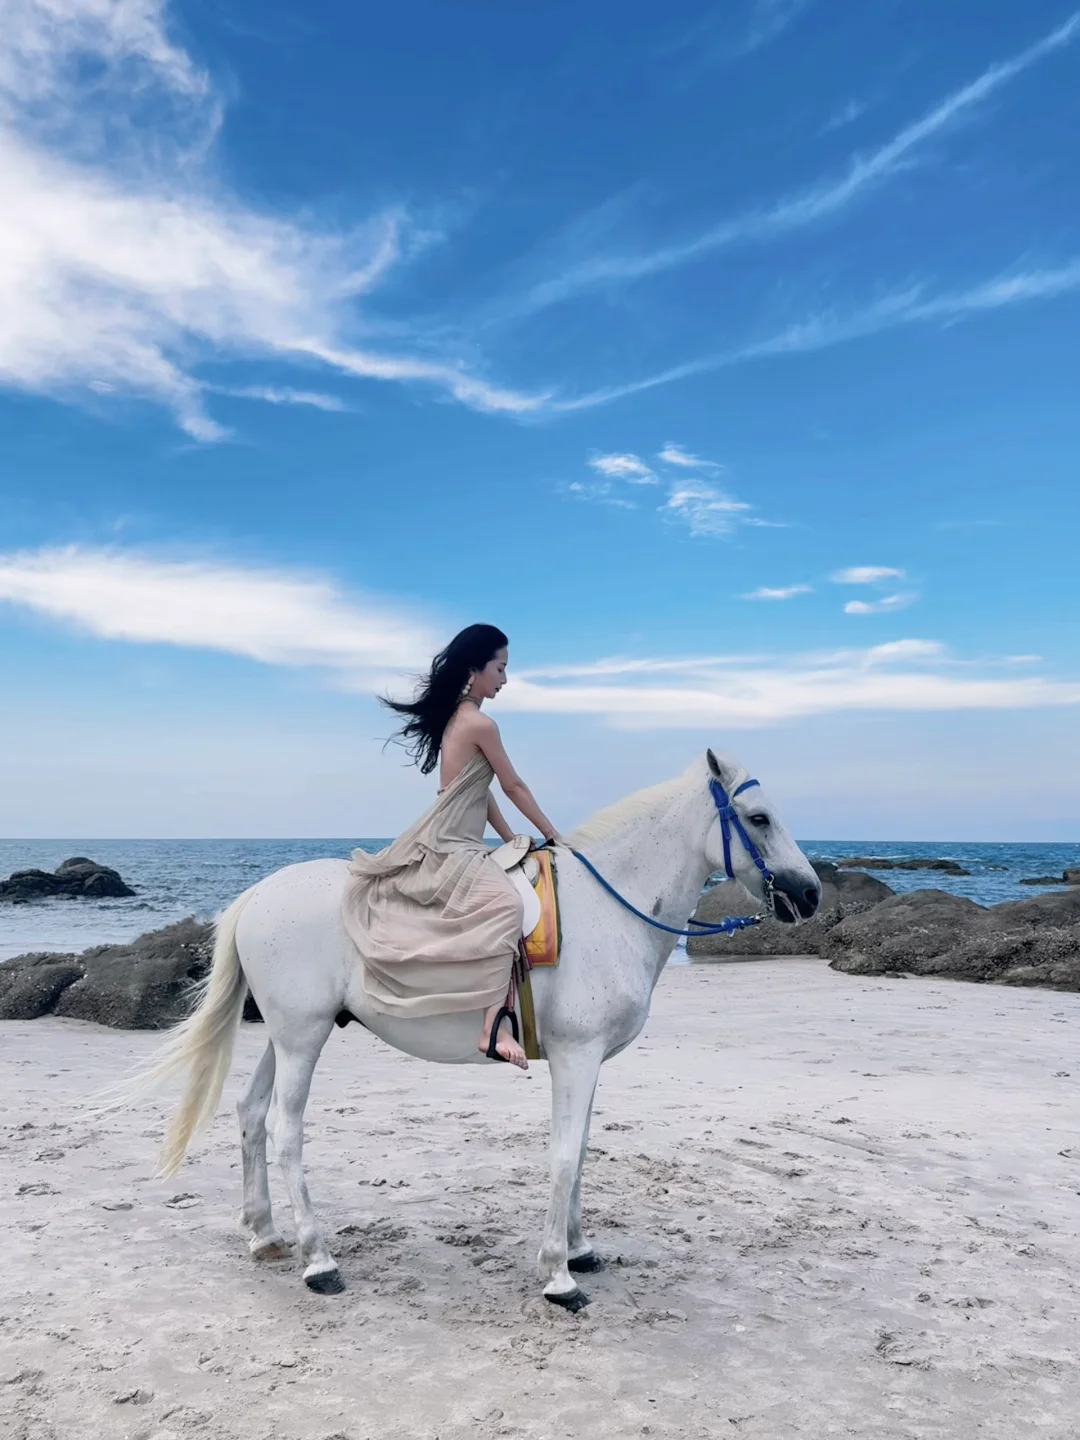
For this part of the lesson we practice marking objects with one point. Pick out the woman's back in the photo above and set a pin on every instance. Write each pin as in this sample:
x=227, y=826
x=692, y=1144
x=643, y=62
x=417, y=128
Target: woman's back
x=460, y=742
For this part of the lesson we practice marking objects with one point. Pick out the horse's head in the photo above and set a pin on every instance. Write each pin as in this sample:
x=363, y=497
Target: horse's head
x=748, y=841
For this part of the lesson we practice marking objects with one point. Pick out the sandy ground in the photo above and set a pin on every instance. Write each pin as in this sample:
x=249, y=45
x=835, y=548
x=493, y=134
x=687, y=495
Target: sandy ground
x=831, y=1206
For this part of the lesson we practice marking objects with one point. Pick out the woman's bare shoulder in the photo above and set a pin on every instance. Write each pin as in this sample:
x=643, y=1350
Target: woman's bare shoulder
x=472, y=721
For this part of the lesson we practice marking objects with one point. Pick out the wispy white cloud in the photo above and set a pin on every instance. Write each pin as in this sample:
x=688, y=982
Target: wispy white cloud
x=885, y=606
x=124, y=260
x=865, y=575
x=598, y=492
x=912, y=306
x=845, y=115
x=874, y=575
x=768, y=21
x=906, y=676
x=272, y=616
x=729, y=32
x=806, y=207
x=679, y=456
x=893, y=651
x=693, y=498
x=360, y=643
x=704, y=508
x=909, y=306
x=624, y=466
x=282, y=395
x=781, y=592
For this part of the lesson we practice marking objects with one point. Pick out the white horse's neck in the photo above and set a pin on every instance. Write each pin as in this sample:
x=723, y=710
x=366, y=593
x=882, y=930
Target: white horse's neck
x=651, y=848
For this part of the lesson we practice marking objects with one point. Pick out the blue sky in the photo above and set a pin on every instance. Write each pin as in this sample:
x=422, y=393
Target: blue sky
x=724, y=354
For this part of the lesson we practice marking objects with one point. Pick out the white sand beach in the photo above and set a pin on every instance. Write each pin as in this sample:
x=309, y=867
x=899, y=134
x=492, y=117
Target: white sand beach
x=831, y=1206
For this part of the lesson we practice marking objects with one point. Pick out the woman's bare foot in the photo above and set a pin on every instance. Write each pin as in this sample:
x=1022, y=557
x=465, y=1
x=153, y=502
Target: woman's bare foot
x=505, y=1045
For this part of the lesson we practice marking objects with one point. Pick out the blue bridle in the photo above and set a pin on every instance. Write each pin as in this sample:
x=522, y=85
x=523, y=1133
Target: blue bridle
x=729, y=820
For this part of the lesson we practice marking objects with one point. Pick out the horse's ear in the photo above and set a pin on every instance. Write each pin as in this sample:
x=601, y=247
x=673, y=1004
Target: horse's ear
x=720, y=770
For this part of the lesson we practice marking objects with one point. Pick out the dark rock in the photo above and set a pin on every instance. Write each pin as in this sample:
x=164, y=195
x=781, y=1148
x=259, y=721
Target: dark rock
x=843, y=889
x=878, y=862
x=1057, y=907
x=142, y=986
x=841, y=894
x=32, y=986
x=75, y=877
x=1067, y=877
x=930, y=932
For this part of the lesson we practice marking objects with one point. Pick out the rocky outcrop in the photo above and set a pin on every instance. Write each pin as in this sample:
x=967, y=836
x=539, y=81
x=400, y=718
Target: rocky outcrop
x=929, y=932
x=1067, y=877
x=75, y=878
x=879, y=862
x=146, y=985
x=864, y=929
x=842, y=893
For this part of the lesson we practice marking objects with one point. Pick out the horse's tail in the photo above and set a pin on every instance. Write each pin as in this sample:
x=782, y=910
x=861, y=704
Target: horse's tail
x=201, y=1045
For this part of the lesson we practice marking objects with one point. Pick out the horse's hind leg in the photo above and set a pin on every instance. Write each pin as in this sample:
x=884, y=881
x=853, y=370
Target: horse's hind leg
x=295, y=1067
x=255, y=1216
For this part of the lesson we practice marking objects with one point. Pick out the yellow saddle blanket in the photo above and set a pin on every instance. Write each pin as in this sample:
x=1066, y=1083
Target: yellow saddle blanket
x=539, y=947
x=542, y=944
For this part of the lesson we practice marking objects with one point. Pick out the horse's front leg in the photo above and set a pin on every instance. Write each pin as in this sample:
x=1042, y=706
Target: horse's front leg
x=295, y=1067
x=582, y=1259
x=574, y=1072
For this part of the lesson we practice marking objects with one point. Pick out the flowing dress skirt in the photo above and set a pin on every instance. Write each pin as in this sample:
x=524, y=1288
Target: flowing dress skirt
x=435, y=920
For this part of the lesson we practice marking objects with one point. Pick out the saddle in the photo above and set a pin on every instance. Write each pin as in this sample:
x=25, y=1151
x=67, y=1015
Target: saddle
x=533, y=876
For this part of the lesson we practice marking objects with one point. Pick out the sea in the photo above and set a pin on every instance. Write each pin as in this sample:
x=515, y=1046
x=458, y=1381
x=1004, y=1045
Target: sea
x=176, y=878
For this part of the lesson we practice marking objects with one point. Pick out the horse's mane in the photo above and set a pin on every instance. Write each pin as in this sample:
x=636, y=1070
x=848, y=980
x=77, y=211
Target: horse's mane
x=612, y=818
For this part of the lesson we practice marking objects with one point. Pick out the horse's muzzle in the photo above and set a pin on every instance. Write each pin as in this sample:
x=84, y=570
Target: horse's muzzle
x=794, y=899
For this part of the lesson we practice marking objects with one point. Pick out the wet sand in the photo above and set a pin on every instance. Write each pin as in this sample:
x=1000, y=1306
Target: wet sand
x=831, y=1206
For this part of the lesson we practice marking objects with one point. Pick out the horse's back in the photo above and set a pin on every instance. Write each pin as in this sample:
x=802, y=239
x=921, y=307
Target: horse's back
x=299, y=895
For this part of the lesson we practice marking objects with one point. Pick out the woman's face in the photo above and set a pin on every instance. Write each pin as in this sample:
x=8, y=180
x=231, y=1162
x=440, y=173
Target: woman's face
x=487, y=683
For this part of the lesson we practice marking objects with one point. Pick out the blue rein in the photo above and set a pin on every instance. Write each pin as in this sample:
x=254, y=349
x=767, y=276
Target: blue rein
x=729, y=820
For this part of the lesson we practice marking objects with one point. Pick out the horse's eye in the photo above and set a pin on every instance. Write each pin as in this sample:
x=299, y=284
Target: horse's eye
x=759, y=819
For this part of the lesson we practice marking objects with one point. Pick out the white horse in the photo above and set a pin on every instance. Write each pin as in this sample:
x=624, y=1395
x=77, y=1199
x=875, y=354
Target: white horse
x=284, y=940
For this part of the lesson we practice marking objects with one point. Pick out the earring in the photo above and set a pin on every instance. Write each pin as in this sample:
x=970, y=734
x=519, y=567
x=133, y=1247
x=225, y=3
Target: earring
x=465, y=695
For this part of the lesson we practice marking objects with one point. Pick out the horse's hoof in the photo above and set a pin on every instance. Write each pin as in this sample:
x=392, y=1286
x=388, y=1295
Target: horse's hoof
x=269, y=1250
x=572, y=1300
x=326, y=1282
x=588, y=1264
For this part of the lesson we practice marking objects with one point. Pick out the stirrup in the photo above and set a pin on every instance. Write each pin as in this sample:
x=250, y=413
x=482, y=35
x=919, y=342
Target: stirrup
x=504, y=1014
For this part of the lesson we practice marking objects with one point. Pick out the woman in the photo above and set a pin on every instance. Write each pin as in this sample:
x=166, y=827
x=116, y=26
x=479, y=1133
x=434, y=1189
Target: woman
x=434, y=917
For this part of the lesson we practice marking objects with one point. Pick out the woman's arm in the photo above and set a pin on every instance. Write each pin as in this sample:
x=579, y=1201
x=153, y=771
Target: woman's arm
x=486, y=735
x=496, y=820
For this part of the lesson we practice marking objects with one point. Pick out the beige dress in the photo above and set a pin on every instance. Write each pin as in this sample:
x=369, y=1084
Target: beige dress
x=434, y=918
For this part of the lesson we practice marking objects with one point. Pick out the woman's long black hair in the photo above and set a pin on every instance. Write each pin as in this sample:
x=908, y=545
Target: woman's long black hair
x=440, y=691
